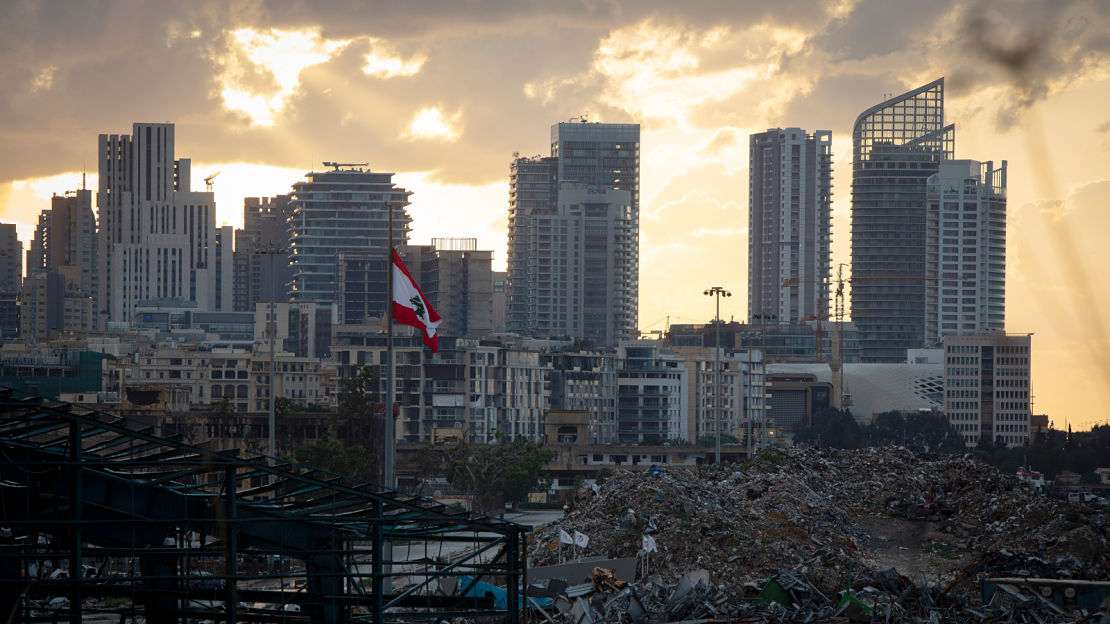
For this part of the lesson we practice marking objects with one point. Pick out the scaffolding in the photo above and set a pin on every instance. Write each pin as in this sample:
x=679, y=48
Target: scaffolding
x=106, y=515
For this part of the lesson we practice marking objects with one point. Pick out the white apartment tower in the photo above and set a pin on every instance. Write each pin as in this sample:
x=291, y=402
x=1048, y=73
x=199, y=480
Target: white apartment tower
x=965, y=249
x=789, y=224
x=157, y=238
x=987, y=386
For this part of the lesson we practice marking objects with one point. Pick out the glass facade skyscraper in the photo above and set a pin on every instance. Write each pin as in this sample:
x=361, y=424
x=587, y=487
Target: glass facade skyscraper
x=896, y=146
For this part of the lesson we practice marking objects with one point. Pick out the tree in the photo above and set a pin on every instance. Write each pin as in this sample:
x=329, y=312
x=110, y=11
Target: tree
x=355, y=442
x=831, y=428
x=710, y=439
x=507, y=470
x=351, y=460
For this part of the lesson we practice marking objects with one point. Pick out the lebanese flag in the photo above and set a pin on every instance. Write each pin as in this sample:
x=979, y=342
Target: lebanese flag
x=411, y=307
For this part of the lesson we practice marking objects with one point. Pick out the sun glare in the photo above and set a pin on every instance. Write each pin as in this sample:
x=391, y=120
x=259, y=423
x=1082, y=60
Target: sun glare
x=430, y=123
x=261, y=70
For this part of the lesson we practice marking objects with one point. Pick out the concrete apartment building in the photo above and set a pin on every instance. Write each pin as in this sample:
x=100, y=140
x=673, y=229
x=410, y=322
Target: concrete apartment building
x=157, y=238
x=588, y=187
x=965, y=265
x=344, y=210
x=987, y=386
x=262, y=252
x=466, y=389
x=789, y=224
x=11, y=280
x=651, y=397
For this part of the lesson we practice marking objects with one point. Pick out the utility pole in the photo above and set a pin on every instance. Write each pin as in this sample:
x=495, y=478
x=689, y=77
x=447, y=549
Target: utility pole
x=271, y=250
x=717, y=292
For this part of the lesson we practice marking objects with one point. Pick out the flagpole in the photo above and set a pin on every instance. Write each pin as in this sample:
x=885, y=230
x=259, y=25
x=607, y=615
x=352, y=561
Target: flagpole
x=390, y=383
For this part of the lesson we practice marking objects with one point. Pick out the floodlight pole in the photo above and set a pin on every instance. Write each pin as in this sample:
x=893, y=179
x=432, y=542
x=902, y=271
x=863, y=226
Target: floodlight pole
x=717, y=292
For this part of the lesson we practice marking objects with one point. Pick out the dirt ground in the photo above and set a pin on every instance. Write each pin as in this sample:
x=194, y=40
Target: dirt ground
x=911, y=547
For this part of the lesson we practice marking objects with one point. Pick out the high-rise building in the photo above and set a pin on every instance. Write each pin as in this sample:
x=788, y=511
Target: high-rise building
x=156, y=238
x=453, y=273
x=343, y=210
x=65, y=241
x=987, y=386
x=965, y=266
x=789, y=224
x=533, y=192
x=579, y=268
x=265, y=228
x=606, y=155
x=11, y=279
x=463, y=287
x=543, y=297
x=896, y=145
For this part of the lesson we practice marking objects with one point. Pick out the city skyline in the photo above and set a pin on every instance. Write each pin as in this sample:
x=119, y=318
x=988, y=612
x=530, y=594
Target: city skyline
x=265, y=107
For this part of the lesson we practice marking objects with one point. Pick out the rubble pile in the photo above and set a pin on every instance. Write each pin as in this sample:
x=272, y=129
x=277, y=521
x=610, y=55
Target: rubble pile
x=811, y=514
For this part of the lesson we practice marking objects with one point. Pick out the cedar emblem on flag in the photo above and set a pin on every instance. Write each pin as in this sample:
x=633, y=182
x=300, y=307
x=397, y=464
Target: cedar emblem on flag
x=411, y=307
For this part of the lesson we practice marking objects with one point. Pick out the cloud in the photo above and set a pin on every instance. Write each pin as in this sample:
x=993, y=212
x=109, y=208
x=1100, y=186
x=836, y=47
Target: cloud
x=261, y=70
x=383, y=61
x=431, y=123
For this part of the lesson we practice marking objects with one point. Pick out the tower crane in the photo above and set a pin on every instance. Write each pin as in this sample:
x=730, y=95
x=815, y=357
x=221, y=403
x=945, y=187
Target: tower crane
x=208, y=181
x=836, y=363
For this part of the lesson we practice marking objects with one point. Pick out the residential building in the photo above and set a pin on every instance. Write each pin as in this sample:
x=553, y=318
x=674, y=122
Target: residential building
x=302, y=328
x=717, y=386
x=651, y=404
x=50, y=302
x=965, y=265
x=157, y=238
x=789, y=224
x=498, y=295
x=477, y=390
x=580, y=267
x=65, y=241
x=11, y=280
x=586, y=382
x=987, y=386
x=602, y=159
x=462, y=291
x=345, y=210
x=262, y=245
x=897, y=145
x=533, y=194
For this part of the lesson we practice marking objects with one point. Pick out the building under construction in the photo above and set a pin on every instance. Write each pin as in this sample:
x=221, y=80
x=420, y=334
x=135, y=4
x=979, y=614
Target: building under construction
x=105, y=515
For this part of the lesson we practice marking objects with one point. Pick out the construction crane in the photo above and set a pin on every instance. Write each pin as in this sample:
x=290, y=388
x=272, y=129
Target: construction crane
x=208, y=181
x=836, y=364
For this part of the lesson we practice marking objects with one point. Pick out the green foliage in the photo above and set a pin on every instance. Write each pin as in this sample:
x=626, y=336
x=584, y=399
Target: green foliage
x=507, y=470
x=711, y=439
x=1055, y=451
x=350, y=460
x=355, y=442
x=830, y=428
x=922, y=432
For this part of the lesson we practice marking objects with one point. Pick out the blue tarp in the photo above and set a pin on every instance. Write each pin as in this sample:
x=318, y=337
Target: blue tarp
x=479, y=589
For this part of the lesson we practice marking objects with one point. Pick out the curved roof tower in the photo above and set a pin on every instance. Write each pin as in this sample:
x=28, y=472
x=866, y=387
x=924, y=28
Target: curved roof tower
x=896, y=145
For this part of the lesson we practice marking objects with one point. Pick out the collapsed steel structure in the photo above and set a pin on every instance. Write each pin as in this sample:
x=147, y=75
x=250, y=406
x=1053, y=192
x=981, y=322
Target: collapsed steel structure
x=103, y=514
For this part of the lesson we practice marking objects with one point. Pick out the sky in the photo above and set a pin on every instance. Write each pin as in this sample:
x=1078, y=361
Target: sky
x=444, y=93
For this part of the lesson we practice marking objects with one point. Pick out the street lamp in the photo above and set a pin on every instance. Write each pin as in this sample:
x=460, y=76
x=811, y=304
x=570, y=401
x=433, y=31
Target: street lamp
x=717, y=292
x=271, y=250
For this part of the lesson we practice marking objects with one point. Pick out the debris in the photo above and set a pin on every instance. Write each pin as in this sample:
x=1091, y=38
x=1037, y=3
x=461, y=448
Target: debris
x=818, y=536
